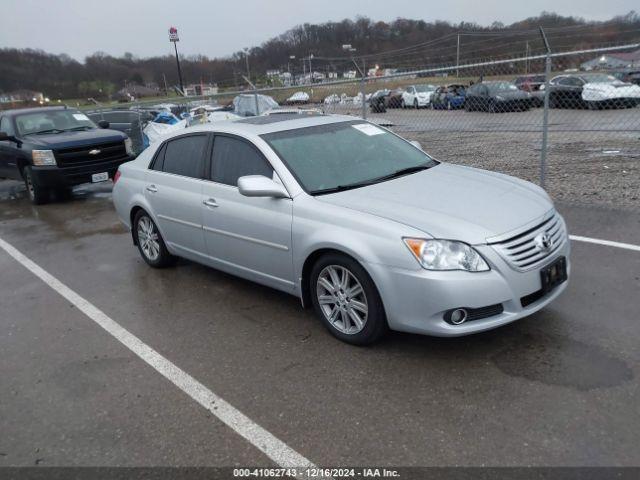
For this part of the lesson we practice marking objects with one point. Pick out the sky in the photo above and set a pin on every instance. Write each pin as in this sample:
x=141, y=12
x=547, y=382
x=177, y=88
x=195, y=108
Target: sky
x=218, y=28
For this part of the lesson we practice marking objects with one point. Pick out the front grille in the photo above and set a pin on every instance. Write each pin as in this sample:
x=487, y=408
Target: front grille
x=523, y=252
x=79, y=157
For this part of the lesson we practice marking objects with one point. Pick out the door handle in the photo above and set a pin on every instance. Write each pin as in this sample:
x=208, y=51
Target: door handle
x=210, y=202
x=152, y=189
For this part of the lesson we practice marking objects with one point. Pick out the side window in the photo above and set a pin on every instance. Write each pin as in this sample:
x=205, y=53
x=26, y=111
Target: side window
x=6, y=126
x=158, y=161
x=183, y=156
x=233, y=158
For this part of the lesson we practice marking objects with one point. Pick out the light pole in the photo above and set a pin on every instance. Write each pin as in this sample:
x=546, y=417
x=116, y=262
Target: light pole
x=351, y=50
x=291, y=57
x=173, y=37
x=246, y=57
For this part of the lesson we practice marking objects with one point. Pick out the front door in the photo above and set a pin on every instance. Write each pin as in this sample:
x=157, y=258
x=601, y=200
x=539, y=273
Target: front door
x=249, y=237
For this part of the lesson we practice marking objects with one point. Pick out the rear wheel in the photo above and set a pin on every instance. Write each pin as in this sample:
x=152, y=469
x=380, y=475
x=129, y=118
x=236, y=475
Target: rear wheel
x=346, y=300
x=37, y=194
x=150, y=242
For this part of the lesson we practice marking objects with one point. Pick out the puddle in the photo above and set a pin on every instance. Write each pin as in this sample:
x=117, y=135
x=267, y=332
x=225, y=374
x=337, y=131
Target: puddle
x=556, y=360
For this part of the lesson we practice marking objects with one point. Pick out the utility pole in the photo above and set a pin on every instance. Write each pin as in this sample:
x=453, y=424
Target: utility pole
x=458, y=58
x=526, y=62
x=310, y=69
x=173, y=37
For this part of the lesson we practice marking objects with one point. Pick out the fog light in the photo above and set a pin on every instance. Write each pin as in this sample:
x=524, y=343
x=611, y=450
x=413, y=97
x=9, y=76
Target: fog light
x=457, y=316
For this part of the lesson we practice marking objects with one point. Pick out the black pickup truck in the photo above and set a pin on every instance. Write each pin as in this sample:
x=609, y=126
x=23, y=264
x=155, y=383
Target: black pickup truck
x=55, y=148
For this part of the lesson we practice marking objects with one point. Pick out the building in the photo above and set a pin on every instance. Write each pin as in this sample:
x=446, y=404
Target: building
x=200, y=90
x=613, y=60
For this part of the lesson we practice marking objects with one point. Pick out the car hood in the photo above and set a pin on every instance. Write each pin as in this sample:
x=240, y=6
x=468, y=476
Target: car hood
x=75, y=139
x=450, y=202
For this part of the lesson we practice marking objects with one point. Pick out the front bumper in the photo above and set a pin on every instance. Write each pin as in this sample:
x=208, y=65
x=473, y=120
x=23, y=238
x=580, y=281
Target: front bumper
x=56, y=177
x=416, y=300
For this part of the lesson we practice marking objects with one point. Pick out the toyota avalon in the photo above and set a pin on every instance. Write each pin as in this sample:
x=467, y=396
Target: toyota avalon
x=360, y=224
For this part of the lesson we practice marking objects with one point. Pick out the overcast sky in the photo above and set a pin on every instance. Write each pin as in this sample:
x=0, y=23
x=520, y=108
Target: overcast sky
x=219, y=28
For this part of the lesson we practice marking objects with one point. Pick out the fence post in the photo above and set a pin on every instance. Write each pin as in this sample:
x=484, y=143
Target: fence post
x=363, y=91
x=545, y=111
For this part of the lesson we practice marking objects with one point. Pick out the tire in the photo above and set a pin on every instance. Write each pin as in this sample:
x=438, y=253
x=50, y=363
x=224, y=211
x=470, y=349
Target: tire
x=37, y=194
x=337, y=308
x=415, y=104
x=593, y=106
x=154, y=252
x=492, y=107
x=402, y=104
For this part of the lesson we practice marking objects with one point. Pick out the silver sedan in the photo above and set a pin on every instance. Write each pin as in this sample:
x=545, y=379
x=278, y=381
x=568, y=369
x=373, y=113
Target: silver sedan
x=360, y=224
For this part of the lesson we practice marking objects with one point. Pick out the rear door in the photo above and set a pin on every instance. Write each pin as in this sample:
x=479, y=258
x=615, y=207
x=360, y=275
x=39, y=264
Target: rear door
x=174, y=191
x=246, y=236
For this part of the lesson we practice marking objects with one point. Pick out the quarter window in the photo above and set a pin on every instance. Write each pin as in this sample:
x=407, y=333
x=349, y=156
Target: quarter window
x=183, y=156
x=234, y=158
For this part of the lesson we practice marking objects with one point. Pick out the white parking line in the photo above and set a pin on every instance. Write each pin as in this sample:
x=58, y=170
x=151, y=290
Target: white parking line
x=275, y=449
x=608, y=243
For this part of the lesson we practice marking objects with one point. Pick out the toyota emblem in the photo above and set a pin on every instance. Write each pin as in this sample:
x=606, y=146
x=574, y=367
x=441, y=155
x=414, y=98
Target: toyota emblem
x=544, y=242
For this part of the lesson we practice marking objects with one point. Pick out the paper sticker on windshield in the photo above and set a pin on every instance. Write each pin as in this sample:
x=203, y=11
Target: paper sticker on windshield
x=368, y=129
x=81, y=117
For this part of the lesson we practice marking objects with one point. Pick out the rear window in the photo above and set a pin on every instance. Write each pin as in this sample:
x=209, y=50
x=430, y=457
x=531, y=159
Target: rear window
x=183, y=156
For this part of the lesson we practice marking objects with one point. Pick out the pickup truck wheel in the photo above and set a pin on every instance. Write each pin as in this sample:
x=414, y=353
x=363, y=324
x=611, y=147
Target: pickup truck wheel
x=150, y=242
x=37, y=194
x=347, y=301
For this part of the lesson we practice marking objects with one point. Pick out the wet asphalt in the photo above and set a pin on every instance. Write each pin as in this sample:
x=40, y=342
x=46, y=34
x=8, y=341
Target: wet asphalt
x=558, y=388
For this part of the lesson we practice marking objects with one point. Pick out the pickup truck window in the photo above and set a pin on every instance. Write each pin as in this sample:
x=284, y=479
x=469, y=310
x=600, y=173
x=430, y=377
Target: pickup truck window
x=53, y=121
x=6, y=126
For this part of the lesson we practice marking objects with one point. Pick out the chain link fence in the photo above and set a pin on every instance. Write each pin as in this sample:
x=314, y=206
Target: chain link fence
x=538, y=117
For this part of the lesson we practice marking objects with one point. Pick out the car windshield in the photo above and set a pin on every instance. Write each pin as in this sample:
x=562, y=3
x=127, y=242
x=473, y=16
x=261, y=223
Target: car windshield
x=340, y=156
x=501, y=87
x=425, y=88
x=52, y=121
x=599, y=78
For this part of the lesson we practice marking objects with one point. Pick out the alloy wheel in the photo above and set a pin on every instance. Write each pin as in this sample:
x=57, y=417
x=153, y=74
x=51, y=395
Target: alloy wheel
x=148, y=238
x=342, y=299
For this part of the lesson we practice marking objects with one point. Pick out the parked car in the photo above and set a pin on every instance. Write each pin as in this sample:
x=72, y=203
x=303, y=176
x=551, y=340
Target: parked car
x=498, y=96
x=593, y=91
x=448, y=97
x=394, y=100
x=298, y=98
x=55, y=148
x=129, y=122
x=354, y=220
x=417, y=96
x=627, y=75
x=532, y=83
x=378, y=101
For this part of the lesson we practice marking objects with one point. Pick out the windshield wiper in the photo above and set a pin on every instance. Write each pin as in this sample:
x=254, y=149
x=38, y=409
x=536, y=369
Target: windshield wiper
x=51, y=130
x=397, y=173
x=401, y=172
x=82, y=127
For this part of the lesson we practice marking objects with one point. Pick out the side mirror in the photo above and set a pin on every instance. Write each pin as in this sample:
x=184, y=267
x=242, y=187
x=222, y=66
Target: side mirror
x=5, y=137
x=416, y=144
x=260, y=186
x=103, y=124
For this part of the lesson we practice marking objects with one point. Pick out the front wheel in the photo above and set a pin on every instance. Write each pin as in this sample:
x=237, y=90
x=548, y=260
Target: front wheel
x=346, y=300
x=415, y=104
x=150, y=242
x=37, y=194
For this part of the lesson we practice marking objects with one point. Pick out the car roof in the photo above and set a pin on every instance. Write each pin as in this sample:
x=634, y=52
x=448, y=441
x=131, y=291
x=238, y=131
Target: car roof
x=263, y=124
x=19, y=111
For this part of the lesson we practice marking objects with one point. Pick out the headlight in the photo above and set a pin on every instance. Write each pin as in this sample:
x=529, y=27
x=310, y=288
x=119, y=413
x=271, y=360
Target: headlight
x=128, y=145
x=43, y=157
x=446, y=255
